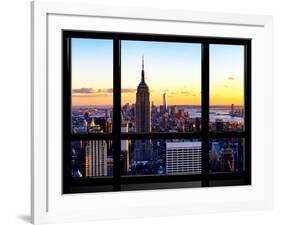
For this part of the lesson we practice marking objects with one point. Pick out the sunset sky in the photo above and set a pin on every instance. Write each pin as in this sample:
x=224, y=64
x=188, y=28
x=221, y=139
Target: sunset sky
x=226, y=74
x=171, y=67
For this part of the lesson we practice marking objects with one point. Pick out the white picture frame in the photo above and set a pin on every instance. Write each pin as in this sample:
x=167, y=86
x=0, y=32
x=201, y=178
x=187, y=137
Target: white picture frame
x=49, y=205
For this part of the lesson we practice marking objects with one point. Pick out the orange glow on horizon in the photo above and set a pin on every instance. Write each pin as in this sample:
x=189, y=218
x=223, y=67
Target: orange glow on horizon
x=216, y=98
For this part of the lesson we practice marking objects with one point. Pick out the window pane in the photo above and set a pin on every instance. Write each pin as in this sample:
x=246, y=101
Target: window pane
x=92, y=85
x=226, y=88
x=161, y=86
x=160, y=157
x=93, y=158
x=226, y=155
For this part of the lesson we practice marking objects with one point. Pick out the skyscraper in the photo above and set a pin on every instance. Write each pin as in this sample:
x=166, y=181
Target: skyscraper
x=142, y=149
x=232, y=110
x=227, y=163
x=96, y=158
x=125, y=149
x=143, y=115
x=183, y=157
x=96, y=154
x=165, y=103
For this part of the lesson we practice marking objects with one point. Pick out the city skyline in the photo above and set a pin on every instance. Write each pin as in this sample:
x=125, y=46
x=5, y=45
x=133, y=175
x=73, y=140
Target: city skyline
x=92, y=72
x=94, y=158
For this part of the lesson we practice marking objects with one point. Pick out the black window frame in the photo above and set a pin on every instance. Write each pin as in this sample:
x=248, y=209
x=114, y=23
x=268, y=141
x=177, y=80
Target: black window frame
x=123, y=183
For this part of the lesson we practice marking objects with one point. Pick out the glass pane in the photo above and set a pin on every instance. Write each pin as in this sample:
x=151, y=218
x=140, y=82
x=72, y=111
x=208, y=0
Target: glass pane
x=161, y=86
x=226, y=155
x=92, y=85
x=92, y=158
x=160, y=157
x=226, y=88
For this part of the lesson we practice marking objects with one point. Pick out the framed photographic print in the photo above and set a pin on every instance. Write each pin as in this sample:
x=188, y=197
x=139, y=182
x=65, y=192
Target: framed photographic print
x=169, y=107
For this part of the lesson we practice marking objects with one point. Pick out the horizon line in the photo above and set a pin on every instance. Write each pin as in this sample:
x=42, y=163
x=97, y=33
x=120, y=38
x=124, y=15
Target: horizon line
x=162, y=104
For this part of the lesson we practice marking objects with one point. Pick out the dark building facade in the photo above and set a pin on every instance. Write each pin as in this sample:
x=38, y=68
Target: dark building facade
x=143, y=114
x=143, y=148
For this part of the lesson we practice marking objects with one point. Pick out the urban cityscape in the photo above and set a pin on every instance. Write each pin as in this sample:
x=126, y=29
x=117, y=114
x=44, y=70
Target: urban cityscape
x=141, y=114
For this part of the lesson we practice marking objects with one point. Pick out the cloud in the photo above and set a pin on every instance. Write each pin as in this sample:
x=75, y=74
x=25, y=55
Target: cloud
x=108, y=90
x=123, y=90
x=87, y=91
x=128, y=90
x=89, y=95
x=231, y=78
x=188, y=93
x=226, y=86
x=185, y=92
x=84, y=91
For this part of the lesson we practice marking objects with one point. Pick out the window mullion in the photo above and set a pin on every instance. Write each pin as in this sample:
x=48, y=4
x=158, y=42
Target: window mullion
x=247, y=103
x=205, y=112
x=116, y=111
x=66, y=113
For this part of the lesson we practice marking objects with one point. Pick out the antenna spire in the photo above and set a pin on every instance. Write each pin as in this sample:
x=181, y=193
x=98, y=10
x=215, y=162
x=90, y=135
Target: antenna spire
x=142, y=71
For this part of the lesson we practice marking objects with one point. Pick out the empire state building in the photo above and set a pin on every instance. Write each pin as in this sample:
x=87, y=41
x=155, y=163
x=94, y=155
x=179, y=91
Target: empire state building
x=143, y=148
x=143, y=114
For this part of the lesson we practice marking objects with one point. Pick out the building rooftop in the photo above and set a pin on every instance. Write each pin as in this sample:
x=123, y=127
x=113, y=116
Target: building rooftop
x=183, y=144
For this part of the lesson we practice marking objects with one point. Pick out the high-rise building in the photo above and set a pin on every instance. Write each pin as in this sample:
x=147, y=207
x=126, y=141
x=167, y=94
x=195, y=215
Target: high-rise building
x=227, y=163
x=142, y=148
x=96, y=158
x=165, y=103
x=110, y=166
x=74, y=164
x=143, y=114
x=197, y=124
x=108, y=125
x=125, y=148
x=174, y=110
x=183, y=157
x=216, y=147
x=162, y=110
x=95, y=154
x=232, y=110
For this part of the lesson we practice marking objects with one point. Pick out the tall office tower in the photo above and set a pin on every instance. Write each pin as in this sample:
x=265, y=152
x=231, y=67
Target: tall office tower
x=198, y=124
x=110, y=166
x=96, y=158
x=133, y=110
x=174, y=110
x=153, y=108
x=183, y=157
x=96, y=154
x=216, y=147
x=232, y=110
x=162, y=111
x=142, y=148
x=226, y=160
x=214, y=156
x=165, y=103
x=108, y=125
x=87, y=116
x=125, y=148
x=143, y=117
